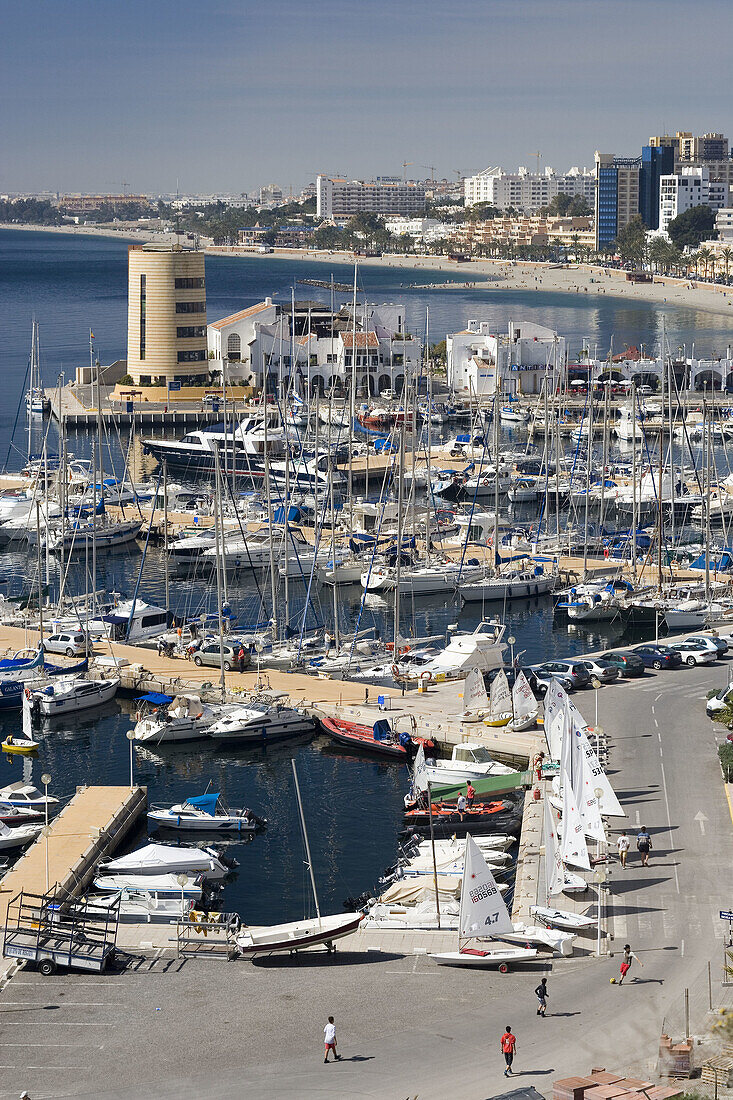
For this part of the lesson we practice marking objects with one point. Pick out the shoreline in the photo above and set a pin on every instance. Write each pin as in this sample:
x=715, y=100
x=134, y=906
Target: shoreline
x=478, y=275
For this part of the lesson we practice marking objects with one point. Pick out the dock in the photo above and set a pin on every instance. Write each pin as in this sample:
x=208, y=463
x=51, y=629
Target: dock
x=89, y=828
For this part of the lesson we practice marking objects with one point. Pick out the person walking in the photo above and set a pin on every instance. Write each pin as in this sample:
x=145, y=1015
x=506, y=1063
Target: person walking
x=644, y=844
x=329, y=1039
x=623, y=848
x=542, y=996
x=240, y=657
x=508, y=1046
x=626, y=962
x=461, y=805
x=470, y=794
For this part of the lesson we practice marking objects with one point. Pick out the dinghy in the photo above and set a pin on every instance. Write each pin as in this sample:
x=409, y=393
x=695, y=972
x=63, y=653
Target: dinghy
x=166, y=885
x=157, y=859
x=380, y=738
x=560, y=918
x=482, y=913
x=500, y=701
x=22, y=745
x=24, y=795
x=298, y=935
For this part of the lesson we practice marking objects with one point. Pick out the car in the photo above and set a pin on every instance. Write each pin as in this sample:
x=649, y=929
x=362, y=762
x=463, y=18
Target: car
x=600, y=669
x=693, y=653
x=511, y=673
x=628, y=664
x=211, y=654
x=658, y=656
x=545, y=678
x=719, y=701
x=74, y=643
x=573, y=671
x=708, y=640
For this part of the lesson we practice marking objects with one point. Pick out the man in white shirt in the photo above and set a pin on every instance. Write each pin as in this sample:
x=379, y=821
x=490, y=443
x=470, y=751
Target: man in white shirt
x=329, y=1038
x=461, y=805
x=623, y=848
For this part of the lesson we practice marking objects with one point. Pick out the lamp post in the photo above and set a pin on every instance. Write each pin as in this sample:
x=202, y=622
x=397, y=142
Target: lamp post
x=599, y=795
x=511, y=641
x=182, y=880
x=258, y=648
x=46, y=779
x=599, y=877
x=131, y=737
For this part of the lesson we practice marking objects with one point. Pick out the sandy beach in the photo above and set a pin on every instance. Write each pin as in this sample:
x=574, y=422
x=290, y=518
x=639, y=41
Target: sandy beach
x=491, y=275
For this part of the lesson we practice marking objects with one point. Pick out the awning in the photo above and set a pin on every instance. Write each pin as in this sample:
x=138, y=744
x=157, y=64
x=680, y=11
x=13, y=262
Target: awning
x=156, y=697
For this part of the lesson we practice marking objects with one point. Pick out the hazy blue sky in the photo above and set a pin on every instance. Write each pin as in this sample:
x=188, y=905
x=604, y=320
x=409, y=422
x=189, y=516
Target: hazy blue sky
x=230, y=94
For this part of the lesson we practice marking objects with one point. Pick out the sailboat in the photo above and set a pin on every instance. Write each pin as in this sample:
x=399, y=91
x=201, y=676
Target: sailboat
x=483, y=914
x=500, y=701
x=304, y=933
x=524, y=704
x=475, y=699
x=34, y=398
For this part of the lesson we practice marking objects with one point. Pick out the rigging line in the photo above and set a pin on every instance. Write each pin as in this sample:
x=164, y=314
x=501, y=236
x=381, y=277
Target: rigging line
x=17, y=414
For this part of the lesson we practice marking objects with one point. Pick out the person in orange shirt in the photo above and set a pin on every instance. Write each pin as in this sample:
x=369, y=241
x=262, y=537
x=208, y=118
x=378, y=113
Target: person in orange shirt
x=508, y=1046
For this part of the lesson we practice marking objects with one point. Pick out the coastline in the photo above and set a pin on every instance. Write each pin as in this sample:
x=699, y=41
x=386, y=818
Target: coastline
x=488, y=275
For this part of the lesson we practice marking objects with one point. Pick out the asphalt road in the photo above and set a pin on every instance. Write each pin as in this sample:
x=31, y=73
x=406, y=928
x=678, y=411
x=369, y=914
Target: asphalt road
x=405, y=1026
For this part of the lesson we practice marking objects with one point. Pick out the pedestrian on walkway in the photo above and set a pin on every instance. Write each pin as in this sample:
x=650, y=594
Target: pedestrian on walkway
x=329, y=1038
x=508, y=1046
x=461, y=805
x=470, y=794
x=643, y=844
x=542, y=996
x=626, y=962
x=241, y=655
x=623, y=848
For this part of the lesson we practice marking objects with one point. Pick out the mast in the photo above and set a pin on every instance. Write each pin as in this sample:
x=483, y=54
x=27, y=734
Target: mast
x=38, y=565
x=400, y=495
x=660, y=492
x=352, y=401
x=588, y=467
x=707, y=437
x=428, y=485
x=307, y=845
x=217, y=537
x=496, y=470
x=273, y=583
x=165, y=535
x=633, y=475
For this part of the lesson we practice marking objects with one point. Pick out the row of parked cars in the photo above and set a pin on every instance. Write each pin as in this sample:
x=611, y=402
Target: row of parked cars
x=698, y=649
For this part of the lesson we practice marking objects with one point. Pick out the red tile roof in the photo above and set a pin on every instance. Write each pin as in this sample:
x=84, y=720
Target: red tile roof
x=363, y=339
x=243, y=313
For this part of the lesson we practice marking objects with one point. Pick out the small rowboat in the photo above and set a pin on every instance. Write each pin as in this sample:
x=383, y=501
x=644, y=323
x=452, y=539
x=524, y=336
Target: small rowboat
x=19, y=744
x=501, y=958
x=560, y=918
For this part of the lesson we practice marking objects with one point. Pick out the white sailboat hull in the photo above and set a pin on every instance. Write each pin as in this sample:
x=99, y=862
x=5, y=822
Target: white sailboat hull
x=298, y=935
x=500, y=958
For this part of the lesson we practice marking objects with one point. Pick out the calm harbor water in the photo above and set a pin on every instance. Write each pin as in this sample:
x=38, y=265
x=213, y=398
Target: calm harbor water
x=353, y=806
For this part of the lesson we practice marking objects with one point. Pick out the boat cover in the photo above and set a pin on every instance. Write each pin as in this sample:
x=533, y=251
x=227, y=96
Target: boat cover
x=205, y=802
x=382, y=730
x=156, y=698
x=159, y=855
x=421, y=888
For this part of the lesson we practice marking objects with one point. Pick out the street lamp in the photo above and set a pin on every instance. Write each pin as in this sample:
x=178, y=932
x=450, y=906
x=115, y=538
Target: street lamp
x=258, y=649
x=511, y=641
x=46, y=779
x=182, y=880
x=599, y=877
x=598, y=792
x=131, y=737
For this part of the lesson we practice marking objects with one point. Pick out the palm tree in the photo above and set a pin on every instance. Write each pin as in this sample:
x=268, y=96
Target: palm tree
x=574, y=240
x=726, y=253
x=706, y=256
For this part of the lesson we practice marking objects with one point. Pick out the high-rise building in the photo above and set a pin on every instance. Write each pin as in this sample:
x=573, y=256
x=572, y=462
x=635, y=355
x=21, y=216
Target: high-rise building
x=166, y=315
x=705, y=147
x=656, y=161
x=342, y=198
x=527, y=191
x=617, y=195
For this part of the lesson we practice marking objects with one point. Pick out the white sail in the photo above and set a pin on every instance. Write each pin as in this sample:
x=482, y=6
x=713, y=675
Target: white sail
x=501, y=696
x=475, y=698
x=523, y=700
x=420, y=773
x=27, y=719
x=574, y=849
x=584, y=789
x=554, y=871
x=597, y=778
x=483, y=912
x=555, y=712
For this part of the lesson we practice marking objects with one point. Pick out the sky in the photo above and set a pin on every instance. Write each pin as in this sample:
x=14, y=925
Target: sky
x=227, y=95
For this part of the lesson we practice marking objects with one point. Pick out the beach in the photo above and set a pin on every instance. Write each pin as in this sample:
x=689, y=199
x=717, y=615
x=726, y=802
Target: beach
x=488, y=275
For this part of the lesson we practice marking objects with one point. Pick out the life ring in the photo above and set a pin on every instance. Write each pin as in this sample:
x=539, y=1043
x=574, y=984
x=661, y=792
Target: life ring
x=484, y=481
x=27, y=693
x=426, y=675
x=606, y=552
x=138, y=715
x=395, y=672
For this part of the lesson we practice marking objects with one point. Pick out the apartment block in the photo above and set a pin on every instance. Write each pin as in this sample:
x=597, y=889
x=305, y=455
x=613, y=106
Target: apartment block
x=617, y=195
x=342, y=198
x=526, y=191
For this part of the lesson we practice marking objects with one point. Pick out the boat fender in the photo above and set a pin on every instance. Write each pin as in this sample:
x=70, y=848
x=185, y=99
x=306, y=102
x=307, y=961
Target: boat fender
x=606, y=552
x=426, y=675
x=27, y=693
x=395, y=671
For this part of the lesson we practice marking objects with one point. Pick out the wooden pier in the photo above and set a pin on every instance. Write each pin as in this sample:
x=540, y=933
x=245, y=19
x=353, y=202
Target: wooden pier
x=89, y=828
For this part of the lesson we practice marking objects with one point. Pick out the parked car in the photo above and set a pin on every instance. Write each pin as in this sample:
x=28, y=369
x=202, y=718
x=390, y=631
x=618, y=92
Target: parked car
x=628, y=664
x=73, y=643
x=658, y=656
x=538, y=688
x=211, y=653
x=693, y=653
x=572, y=671
x=719, y=701
x=710, y=640
x=600, y=669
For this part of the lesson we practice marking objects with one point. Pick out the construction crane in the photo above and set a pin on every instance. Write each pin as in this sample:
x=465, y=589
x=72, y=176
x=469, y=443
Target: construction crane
x=537, y=154
x=406, y=164
x=428, y=168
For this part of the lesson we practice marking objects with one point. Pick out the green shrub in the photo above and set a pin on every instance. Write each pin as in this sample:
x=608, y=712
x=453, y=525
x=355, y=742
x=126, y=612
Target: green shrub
x=725, y=755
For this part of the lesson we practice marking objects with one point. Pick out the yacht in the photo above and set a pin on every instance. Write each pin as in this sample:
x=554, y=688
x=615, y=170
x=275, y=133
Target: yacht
x=166, y=720
x=259, y=723
x=66, y=694
x=241, y=451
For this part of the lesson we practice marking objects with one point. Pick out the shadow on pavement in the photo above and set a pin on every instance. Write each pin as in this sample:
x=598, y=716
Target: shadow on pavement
x=631, y=885
x=338, y=958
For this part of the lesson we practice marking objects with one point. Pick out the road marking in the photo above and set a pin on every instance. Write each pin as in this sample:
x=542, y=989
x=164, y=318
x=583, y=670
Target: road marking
x=65, y=1046
x=669, y=822
x=39, y=1067
x=682, y=949
x=652, y=708
x=701, y=819
x=656, y=723
x=638, y=818
x=659, y=738
x=57, y=1023
x=69, y=1004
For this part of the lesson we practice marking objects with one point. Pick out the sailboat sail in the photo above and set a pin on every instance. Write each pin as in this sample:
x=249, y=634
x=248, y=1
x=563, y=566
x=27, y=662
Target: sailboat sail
x=420, y=773
x=482, y=912
x=475, y=698
x=597, y=778
x=554, y=873
x=554, y=718
x=523, y=700
x=574, y=849
x=501, y=696
x=584, y=790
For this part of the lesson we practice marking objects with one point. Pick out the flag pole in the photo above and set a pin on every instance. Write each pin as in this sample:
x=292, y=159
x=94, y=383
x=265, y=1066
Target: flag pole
x=432, y=845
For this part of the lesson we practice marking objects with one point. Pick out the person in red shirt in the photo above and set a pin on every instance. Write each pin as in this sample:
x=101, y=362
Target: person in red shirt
x=470, y=794
x=508, y=1046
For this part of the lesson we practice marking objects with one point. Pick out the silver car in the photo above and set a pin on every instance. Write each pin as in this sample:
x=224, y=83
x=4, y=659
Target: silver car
x=211, y=654
x=73, y=643
x=601, y=670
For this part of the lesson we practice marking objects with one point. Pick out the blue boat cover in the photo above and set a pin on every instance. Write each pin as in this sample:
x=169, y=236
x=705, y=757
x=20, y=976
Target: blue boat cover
x=21, y=662
x=382, y=730
x=205, y=802
x=155, y=697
